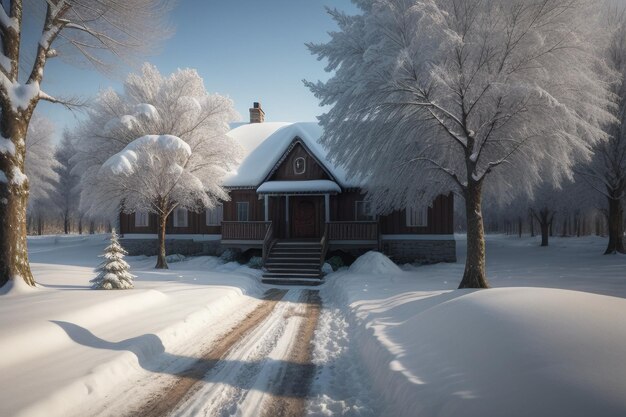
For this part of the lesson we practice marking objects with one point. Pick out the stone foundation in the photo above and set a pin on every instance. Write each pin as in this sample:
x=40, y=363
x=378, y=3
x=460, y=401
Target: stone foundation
x=421, y=251
x=187, y=247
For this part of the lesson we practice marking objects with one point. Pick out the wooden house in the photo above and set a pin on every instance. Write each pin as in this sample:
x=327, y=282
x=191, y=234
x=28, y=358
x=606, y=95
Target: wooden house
x=288, y=200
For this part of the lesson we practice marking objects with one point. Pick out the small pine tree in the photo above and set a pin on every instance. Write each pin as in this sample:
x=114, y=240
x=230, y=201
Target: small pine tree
x=114, y=273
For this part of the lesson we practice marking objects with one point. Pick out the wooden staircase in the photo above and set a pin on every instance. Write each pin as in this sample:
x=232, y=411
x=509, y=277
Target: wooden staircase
x=294, y=262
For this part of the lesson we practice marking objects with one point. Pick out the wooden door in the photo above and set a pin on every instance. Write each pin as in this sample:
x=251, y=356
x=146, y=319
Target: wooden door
x=305, y=218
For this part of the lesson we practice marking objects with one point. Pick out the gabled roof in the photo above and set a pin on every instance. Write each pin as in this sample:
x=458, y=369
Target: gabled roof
x=265, y=143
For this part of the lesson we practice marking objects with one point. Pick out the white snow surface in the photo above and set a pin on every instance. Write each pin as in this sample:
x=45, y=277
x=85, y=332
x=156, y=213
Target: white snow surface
x=6, y=146
x=324, y=186
x=124, y=161
x=265, y=143
x=515, y=350
x=390, y=341
x=72, y=346
x=374, y=263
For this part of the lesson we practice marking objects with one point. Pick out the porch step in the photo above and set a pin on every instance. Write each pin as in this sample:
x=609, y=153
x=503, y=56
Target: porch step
x=279, y=264
x=294, y=263
x=292, y=281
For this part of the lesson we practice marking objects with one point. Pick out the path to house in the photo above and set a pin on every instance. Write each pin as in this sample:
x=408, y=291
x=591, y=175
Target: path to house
x=263, y=367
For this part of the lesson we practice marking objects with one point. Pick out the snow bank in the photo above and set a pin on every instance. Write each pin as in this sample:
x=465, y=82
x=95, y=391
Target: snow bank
x=498, y=352
x=374, y=263
x=75, y=348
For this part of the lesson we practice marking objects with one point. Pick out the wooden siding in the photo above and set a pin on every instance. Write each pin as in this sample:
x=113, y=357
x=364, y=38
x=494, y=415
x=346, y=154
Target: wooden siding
x=196, y=224
x=285, y=171
x=255, y=206
x=342, y=209
x=440, y=219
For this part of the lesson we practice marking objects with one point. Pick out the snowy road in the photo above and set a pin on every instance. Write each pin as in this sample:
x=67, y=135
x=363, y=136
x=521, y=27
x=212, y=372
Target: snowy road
x=262, y=368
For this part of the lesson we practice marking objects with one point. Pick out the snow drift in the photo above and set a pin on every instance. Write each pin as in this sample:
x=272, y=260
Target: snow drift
x=498, y=352
x=374, y=263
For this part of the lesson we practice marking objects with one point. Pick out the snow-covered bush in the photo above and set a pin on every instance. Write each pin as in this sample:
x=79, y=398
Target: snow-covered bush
x=335, y=262
x=176, y=257
x=114, y=273
x=375, y=263
x=256, y=262
x=229, y=255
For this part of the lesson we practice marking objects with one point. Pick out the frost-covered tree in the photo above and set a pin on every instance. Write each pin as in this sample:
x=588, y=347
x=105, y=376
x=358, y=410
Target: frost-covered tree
x=471, y=95
x=113, y=272
x=40, y=164
x=102, y=32
x=606, y=174
x=66, y=191
x=177, y=105
x=40, y=167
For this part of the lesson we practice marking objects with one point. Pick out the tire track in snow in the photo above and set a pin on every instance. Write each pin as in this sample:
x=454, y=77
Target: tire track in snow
x=268, y=370
x=168, y=399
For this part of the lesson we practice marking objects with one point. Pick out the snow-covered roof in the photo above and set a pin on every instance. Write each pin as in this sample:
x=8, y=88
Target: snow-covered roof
x=308, y=186
x=265, y=143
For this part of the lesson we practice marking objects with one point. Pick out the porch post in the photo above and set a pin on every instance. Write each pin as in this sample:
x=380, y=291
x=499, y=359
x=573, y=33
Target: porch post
x=327, y=208
x=287, y=214
x=267, y=207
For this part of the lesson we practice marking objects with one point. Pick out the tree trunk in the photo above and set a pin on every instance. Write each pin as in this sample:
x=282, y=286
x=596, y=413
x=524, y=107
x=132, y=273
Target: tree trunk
x=616, y=227
x=80, y=225
x=39, y=224
x=474, y=275
x=545, y=232
x=92, y=227
x=66, y=222
x=532, y=226
x=14, y=190
x=519, y=226
x=161, y=261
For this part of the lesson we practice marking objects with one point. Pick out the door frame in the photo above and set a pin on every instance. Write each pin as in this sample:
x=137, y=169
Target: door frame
x=317, y=204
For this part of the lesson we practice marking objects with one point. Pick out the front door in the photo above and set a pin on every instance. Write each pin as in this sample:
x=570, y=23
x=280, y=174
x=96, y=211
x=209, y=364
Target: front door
x=305, y=222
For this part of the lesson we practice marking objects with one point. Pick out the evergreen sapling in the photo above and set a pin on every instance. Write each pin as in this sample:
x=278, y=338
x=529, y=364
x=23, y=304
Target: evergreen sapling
x=113, y=272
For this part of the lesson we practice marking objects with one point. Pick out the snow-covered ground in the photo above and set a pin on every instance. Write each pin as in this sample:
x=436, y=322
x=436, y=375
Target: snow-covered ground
x=71, y=345
x=512, y=351
x=390, y=341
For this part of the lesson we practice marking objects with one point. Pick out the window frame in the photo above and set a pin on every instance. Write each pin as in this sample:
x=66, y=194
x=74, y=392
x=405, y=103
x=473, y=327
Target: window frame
x=176, y=220
x=140, y=215
x=219, y=215
x=370, y=217
x=412, y=220
x=242, y=204
x=295, y=161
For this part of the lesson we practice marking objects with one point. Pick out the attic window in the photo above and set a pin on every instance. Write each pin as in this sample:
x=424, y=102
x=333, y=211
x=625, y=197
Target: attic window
x=299, y=165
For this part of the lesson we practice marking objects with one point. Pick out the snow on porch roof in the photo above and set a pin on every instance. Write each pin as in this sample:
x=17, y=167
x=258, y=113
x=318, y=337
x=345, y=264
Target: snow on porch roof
x=309, y=186
x=265, y=143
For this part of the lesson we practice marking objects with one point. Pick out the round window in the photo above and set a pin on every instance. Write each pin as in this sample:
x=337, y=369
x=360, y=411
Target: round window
x=299, y=165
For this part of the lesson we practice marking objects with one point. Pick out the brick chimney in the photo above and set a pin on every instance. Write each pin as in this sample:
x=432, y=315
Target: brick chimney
x=257, y=115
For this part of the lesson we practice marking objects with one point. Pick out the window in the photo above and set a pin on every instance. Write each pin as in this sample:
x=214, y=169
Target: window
x=215, y=215
x=417, y=216
x=180, y=217
x=242, y=211
x=363, y=211
x=141, y=219
x=299, y=165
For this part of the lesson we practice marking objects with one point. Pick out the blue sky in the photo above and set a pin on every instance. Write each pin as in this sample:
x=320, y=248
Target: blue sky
x=249, y=50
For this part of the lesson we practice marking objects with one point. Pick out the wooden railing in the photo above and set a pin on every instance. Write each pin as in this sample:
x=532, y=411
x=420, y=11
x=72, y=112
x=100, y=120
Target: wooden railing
x=353, y=231
x=245, y=230
x=324, y=244
x=268, y=242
